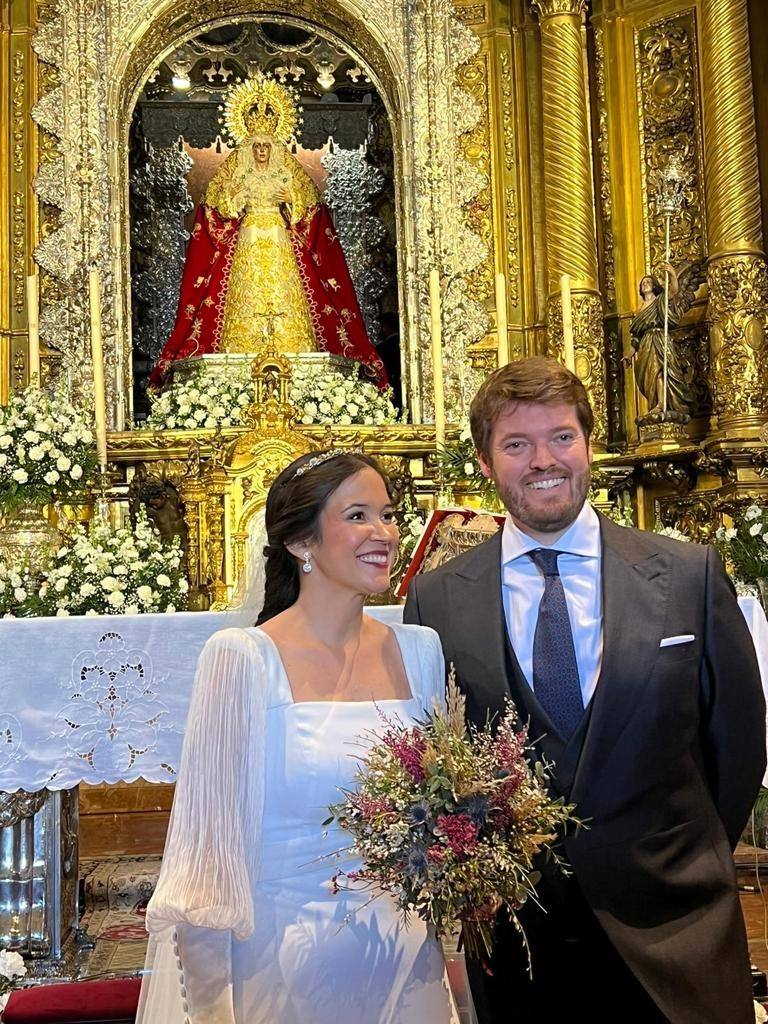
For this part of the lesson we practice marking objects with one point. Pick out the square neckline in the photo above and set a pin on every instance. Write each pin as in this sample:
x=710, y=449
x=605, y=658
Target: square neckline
x=370, y=700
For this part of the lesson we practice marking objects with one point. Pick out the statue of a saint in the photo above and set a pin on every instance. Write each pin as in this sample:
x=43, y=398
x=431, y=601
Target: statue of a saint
x=263, y=251
x=647, y=334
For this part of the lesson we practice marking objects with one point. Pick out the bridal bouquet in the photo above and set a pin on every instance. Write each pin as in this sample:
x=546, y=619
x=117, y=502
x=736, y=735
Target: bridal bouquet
x=448, y=819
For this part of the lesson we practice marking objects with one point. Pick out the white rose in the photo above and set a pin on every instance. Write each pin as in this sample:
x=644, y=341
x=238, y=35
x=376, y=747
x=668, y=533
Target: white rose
x=36, y=453
x=163, y=580
x=170, y=609
x=6, y=441
x=20, y=594
x=190, y=423
x=76, y=472
x=63, y=463
x=62, y=613
x=110, y=584
x=20, y=476
x=87, y=590
x=12, y=965
x=210, y=422
x=3, y=458
x=52, y=477
x=15, y=579
x=144, y=594
x=31, y=436
x=120, y=570
x=90, y=613
x=345, y=420
x=469, y=469
x=116, y=599
x=69, y=437
x=353, y=409
x=131, y=609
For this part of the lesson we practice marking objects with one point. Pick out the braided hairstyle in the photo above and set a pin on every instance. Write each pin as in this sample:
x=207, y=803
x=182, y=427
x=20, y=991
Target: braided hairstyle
x=292, y=515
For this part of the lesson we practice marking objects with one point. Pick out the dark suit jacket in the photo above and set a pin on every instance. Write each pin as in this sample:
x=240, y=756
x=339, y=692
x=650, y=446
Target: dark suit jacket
x=665, y=765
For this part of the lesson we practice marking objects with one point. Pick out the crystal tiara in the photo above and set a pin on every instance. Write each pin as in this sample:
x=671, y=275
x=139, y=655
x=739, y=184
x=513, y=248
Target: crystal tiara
x=318, y=460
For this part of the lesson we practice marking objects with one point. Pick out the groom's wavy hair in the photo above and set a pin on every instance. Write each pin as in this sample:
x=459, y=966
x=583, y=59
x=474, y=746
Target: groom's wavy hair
x=292, y=516
x=526, y=380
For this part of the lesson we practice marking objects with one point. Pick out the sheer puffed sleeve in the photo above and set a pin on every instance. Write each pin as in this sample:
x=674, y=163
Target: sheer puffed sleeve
x=203, y=899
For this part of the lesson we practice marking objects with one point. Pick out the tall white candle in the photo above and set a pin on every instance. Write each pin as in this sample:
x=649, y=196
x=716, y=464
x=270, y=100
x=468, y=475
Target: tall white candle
x=33, y=323
x=437, y=355
x=97, y=357
x=565, y=296
x=502, y=335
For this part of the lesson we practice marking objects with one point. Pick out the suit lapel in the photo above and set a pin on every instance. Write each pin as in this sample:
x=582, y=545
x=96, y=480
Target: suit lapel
x=479, y=630
x=635, y=583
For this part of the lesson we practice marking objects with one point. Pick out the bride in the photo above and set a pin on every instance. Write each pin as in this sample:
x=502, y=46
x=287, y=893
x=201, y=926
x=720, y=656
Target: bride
x=244, y=928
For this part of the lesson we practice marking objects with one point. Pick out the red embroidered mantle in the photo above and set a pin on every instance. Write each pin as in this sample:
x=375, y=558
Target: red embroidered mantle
x=336, y=318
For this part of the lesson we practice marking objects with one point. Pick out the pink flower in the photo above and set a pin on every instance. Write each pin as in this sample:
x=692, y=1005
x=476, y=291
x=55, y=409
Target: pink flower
x=408, y=747
x=460, y=831
x=371, y=807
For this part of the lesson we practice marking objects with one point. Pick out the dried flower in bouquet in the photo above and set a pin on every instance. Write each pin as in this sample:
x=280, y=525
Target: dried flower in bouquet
x=448, y=820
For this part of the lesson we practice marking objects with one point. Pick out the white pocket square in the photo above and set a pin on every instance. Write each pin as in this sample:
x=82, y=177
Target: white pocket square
x=672, y=641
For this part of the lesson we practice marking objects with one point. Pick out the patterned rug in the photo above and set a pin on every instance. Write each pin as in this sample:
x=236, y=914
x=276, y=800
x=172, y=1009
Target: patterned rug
x=116, y=892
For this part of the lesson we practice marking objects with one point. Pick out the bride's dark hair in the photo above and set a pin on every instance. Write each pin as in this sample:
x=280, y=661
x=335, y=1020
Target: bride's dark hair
x=292, y=515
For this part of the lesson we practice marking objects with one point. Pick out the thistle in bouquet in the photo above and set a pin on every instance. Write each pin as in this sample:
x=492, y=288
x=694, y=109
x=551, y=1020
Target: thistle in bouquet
x=448, y=820
x=12, y=966
x=47, y=450
x=744, y=546
x=107, y=570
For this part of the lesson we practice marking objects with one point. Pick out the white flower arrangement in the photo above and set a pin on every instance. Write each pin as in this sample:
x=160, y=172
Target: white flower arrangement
x=46, y=449
x=204, y=400
x=11, y=966
x=328, y=397
x=744, y=546
x=219, y=399
x=102, y=571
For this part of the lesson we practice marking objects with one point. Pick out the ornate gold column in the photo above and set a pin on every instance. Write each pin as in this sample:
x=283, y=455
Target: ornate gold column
x=738, y=275
x=569, y=196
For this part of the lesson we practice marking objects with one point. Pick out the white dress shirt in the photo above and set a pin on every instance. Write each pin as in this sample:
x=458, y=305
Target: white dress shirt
x=522, y=587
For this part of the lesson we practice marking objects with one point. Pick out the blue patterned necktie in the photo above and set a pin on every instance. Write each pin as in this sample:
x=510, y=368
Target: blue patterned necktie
x=555, y=671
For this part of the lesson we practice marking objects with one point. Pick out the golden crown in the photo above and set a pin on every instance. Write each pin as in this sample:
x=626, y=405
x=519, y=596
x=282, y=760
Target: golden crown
x=261, y=106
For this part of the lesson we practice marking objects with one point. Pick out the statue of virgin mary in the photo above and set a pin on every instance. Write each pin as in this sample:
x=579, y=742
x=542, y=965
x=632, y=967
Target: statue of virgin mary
x=263, y=251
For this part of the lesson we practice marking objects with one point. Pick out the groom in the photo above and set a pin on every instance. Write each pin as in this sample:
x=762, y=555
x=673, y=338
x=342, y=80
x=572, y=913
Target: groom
x=628, y=655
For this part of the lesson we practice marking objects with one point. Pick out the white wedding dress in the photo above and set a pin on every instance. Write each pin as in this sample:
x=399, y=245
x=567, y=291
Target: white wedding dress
x=243, y=926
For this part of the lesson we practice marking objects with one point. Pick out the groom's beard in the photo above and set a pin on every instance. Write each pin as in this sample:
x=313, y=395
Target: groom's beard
x=558, y=515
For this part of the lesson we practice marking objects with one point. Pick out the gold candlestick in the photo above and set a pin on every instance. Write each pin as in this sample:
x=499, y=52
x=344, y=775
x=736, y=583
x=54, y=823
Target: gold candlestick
x=97, y=357
x=502, y=335
x=565, y=296
x=33, y=322
x=437, y=356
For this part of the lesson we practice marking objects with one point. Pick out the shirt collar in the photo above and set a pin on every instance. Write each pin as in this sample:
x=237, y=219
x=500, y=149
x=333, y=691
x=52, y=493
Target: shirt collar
x=581, y=538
